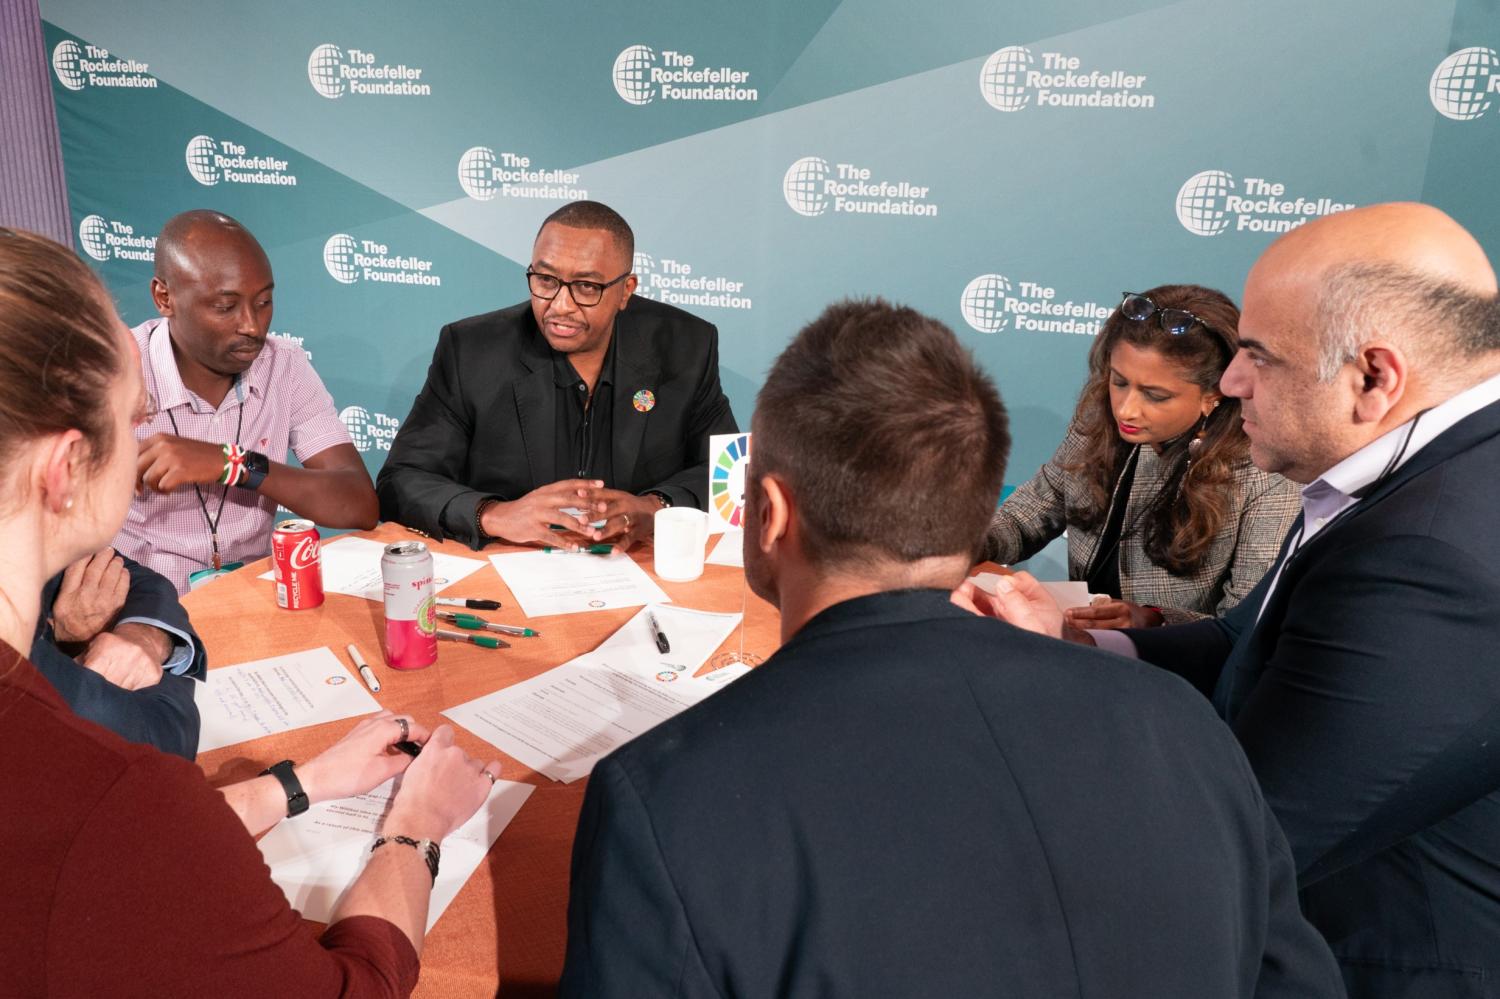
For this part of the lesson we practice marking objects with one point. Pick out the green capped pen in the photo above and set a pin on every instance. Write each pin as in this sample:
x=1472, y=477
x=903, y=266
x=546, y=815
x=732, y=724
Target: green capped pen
x=484, y=641
x=473, y=623
x=590, y=550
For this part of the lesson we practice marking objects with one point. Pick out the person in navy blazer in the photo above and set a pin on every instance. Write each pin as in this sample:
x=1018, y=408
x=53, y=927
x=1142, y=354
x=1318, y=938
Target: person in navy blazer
x=139, y=656
x=583, y=397
x=1362, y=676
x=910, y=799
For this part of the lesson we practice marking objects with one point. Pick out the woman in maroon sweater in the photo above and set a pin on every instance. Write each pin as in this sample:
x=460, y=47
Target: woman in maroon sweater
x=128, y=874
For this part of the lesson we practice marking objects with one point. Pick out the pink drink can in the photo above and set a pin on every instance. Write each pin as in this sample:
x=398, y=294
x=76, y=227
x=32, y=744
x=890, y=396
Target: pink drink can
x=297, y=563
x=410, y=624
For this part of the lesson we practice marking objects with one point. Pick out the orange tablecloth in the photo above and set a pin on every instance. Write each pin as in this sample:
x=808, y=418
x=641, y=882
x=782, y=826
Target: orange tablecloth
x=506, y=930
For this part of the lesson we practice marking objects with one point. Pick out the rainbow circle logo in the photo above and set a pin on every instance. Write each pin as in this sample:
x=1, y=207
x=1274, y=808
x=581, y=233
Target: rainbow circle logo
x=726, y=482
x=644, y=401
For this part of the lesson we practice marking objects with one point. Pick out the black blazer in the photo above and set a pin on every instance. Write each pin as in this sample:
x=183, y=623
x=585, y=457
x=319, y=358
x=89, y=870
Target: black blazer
x=1368, y=701
x=908, y=800
x=484, y=424
x=164, y=714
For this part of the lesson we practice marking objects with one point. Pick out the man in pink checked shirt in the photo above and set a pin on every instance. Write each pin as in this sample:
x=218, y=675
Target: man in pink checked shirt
x=229, y=405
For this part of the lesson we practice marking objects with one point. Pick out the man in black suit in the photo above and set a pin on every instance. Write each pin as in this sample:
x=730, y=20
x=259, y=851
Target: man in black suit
x=566, y=410
x=909, y=799
x=1361, y=674
x=117, y=644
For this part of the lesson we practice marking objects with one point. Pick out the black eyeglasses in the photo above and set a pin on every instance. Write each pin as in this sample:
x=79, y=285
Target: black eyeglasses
x=546, y=286
x=1174, y=321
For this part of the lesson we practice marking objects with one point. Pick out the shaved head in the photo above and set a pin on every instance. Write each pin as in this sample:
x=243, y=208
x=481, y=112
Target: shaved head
x=187, y=238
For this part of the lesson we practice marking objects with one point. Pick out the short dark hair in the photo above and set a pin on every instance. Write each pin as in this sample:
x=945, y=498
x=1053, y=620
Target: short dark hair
x=891, y=439
x=594, y=215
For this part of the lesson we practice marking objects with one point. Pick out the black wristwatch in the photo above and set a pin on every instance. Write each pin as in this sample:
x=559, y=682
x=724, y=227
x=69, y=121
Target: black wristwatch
x=257, y=467
x=296, y=798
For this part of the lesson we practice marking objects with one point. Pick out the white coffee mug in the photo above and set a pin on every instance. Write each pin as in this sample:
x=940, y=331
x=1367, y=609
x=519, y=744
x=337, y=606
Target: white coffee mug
x=681, y=534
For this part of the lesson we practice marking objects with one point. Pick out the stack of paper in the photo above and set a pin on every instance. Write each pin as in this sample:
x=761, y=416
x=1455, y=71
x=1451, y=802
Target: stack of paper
x=564, y=721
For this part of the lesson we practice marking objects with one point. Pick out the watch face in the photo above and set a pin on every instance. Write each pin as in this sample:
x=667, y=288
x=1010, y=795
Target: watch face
x=257, y=462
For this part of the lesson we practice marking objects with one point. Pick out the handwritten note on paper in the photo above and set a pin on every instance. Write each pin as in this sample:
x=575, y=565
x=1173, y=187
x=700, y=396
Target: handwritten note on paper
x=239, y=703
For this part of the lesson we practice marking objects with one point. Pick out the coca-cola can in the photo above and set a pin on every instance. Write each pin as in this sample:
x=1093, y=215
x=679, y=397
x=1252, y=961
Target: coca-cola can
x=410, y=621
x=297, y=559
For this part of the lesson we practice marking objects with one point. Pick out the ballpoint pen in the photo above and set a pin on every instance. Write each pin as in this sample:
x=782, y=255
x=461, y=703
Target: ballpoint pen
x=486, y=641
x=468, y=602
x=662, y=645
x=589, y=550
x=472, y=623
x=364, y=668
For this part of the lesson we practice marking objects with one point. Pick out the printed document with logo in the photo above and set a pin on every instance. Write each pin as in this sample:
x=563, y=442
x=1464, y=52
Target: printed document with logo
x=562, y=722
x=315, y=859
x=352, y=566
x=277, y=695
x=546, y=583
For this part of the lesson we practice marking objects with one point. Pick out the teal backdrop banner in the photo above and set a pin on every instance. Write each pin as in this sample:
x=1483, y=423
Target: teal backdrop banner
x=1007, y=167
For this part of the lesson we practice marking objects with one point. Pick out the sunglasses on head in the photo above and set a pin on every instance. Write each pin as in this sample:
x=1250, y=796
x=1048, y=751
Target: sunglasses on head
x=1175, y=321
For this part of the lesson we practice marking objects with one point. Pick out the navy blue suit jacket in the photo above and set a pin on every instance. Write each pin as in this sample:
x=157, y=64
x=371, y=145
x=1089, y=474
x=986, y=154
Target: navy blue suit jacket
x=1367, y=698
x=909, y=800
x=162, y=715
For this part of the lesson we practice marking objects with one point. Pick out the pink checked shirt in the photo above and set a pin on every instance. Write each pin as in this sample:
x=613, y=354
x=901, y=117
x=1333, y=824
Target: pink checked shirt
x=286, y=408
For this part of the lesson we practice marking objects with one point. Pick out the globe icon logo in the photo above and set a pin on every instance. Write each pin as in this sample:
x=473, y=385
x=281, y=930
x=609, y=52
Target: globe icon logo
x=476, y=173
x=1002, y=81
x=92, y=233
x=632, y=74
x=338, y=257
x=803, y=186
x=1200, y=203
x=1461, y=85
x=356, y=420
x=983, y=303
x=201, y=151
x=323, y=70
x=66, y=59
x=643, y=266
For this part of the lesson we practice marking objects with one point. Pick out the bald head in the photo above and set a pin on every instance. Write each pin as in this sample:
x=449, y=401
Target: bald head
x=189, y=240
x=1400, y=273
x=1407, y=236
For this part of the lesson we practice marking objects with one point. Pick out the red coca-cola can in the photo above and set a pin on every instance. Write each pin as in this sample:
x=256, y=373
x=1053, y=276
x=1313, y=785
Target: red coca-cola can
x=296, y=556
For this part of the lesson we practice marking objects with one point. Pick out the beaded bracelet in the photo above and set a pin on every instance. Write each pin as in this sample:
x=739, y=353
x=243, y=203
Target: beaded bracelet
x=426, y=847
x=234, y=465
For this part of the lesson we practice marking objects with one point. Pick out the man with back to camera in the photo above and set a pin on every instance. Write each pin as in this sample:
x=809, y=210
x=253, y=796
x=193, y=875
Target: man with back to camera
x=563, y=411
x=1360, y=674
x=230, y=400
x=908, y=799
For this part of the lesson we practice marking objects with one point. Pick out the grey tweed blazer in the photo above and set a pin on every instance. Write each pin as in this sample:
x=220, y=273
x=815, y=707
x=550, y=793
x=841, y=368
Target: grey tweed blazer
x=1242, y=551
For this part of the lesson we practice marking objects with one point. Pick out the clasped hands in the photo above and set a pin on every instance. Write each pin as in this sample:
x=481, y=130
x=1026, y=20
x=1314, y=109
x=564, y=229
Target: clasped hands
x=542, y=517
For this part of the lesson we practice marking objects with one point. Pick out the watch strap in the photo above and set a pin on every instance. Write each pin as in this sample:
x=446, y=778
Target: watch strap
x=296, y=798
x=255, y=467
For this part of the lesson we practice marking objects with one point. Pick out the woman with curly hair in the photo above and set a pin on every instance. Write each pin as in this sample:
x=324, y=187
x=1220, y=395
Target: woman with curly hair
x=1165, y=513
